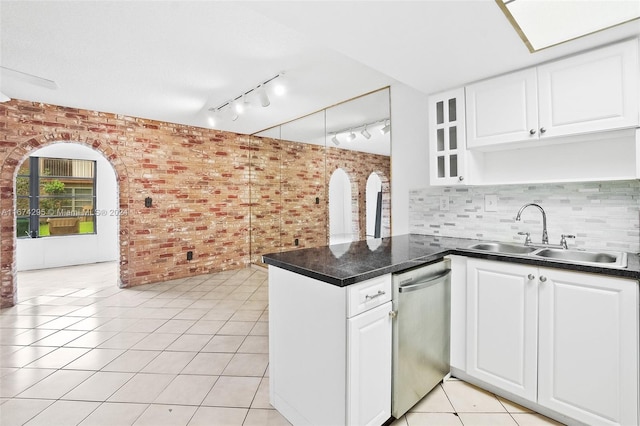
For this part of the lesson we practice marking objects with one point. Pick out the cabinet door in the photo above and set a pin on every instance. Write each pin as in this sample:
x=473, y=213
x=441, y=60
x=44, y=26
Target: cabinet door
x=588, y=358
x=447, y=138
x=369, y=367
x=590, y=92
x=502, y=109
x=502, y=325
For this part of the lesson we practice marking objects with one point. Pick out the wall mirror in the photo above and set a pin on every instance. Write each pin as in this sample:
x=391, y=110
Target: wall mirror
x=358, y=135
x=323, y=178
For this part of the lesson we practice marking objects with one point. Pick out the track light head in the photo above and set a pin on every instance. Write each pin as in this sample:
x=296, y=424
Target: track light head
x=233, y=112
x=365, y=133
x=262, y=95
x=335, y=140
x=246, y=102
x=387, y=128
x=351, y=136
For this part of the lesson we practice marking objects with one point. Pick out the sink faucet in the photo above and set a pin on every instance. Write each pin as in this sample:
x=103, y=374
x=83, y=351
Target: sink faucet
x=545, y=236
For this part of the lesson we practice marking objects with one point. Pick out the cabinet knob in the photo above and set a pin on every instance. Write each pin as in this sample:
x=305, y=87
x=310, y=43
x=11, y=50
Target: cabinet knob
x=542, y=130
x=460, y=178
x=393, y=314
x=543, y=279
x=531, y=277
x=532, y=131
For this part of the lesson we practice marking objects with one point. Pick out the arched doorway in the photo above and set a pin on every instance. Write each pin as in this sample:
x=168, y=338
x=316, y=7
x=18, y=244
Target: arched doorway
x=377, y=205
x=343, y=215
x=88, y=178
x=8, y=240
x=373, y=205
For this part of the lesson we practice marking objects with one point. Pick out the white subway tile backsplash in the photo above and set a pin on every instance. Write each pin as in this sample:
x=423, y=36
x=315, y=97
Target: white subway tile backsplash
x=602, y=215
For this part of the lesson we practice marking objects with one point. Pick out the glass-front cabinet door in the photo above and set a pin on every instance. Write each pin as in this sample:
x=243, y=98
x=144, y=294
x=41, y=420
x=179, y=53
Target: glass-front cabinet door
x=447, y=138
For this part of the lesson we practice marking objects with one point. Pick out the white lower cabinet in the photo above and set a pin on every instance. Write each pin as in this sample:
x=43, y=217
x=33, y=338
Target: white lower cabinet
x=567, y=341
x=369, y=378
x=502, y=325
x=329, y=350
x=588, y=347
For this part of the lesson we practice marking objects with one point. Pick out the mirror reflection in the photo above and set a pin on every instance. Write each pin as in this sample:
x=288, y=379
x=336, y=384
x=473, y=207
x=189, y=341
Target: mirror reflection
x=359, y=149
x=323, y=178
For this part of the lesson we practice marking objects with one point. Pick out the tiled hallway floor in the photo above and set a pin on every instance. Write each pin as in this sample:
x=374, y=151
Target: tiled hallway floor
x=77, y=350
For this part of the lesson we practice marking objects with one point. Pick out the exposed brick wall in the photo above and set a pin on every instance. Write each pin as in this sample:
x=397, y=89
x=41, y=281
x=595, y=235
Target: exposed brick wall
x=359, y=166
x=198, y=180
x=228, y=198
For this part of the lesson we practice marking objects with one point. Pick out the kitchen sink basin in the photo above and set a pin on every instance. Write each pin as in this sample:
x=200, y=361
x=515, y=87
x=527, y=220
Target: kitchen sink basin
x=591, y=257
x=584, y=257
x=503, y=248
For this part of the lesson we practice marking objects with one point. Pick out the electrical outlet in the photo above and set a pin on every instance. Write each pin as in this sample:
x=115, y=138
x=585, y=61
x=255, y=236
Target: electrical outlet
x=444, y=203
x=491, y=203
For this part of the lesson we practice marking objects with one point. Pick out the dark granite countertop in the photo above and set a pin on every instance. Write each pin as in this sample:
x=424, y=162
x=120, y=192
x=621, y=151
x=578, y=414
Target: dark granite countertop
x=349, y=263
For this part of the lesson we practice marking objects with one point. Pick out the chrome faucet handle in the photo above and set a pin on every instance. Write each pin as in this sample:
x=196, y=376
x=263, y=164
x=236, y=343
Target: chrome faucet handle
x=527, y=240
x=563, y=240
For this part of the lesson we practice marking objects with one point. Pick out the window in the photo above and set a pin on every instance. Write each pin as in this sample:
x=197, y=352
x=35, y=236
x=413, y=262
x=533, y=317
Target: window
x=55, y=196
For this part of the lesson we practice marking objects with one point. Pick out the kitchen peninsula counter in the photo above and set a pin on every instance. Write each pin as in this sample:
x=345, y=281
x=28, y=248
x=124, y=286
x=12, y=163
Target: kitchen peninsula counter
x=350, y=263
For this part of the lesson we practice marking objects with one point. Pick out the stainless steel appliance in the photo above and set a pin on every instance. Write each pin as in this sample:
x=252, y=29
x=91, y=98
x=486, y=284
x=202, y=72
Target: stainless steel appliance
x=421, y=330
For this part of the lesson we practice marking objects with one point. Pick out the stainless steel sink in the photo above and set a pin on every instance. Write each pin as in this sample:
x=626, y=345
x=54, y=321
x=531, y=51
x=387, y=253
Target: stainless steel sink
x=503, y=248
x=595, y=258
x=615, y=259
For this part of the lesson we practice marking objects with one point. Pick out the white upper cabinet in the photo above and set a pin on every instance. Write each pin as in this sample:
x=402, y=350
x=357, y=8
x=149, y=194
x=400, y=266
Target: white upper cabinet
x=447, y=138
x=502, y=109
x=590, y=92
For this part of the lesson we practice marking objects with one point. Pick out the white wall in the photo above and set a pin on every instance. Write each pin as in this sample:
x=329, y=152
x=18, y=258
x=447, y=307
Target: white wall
x=409, y=151
x=48, y=252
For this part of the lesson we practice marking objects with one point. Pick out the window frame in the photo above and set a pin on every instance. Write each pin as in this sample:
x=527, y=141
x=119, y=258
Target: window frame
x=35, y=213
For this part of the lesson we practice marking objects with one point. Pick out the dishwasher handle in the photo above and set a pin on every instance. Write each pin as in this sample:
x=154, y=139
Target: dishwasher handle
x=422, y=284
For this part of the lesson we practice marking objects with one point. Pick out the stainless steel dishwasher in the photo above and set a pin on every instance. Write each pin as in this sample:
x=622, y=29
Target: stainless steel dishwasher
x=421, y=330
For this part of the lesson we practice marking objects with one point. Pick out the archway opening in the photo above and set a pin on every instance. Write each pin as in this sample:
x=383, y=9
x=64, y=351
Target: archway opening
x=373, y=205
x=88, y=215
x=343, y=223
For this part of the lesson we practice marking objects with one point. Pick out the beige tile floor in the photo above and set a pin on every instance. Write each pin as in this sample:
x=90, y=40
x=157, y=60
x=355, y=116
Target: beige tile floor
x=78, y=350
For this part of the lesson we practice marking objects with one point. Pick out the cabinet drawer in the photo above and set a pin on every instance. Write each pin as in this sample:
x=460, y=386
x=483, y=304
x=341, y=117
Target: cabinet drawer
x=368, y=294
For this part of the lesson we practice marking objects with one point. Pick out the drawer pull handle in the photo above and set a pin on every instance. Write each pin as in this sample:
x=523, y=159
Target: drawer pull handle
x=378, y=294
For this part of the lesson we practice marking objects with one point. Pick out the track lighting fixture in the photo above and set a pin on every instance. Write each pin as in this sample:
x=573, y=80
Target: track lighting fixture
x=387, y=127
x=350, y=134
x=262, y=95
x=233, y=111
x=335, y=140
x=240, y=103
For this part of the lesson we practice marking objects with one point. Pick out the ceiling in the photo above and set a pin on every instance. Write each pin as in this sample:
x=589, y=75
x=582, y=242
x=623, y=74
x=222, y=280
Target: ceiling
x=173, y=60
